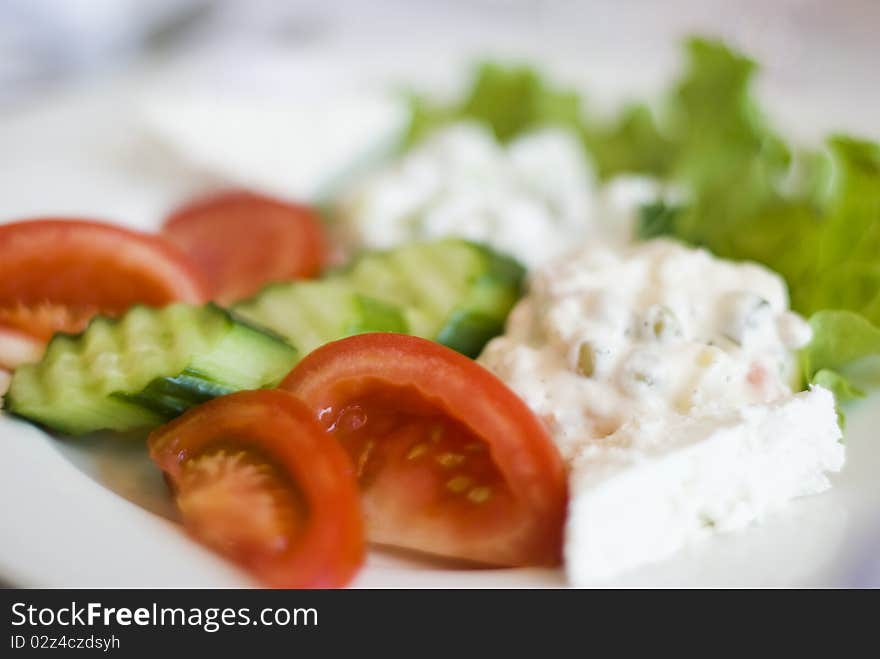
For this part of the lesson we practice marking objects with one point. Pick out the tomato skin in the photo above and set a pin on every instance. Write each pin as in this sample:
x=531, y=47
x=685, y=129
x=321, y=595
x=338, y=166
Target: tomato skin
x=338, y=373
x=55, y=274
x=329, y=549
x=41, y=321
x=242, y=240
x=84, y=264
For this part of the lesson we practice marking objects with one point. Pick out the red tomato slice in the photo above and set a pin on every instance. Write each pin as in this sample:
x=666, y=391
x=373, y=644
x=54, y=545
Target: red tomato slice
x=450, y=461
x=242, y=240
x=42, y=320
x=55, y=274
x=256, y=479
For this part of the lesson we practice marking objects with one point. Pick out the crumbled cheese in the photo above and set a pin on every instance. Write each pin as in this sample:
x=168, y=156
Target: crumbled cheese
x=532, y=198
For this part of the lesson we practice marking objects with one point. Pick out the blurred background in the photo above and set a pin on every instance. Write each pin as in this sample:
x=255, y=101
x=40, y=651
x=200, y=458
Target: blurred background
x=812, y=43
x=121, y=108
x=188, y=93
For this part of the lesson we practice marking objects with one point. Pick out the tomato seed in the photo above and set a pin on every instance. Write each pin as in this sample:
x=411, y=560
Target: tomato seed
x=450, y=460
x=458, y=484
x=417, y=451
x=479, y=494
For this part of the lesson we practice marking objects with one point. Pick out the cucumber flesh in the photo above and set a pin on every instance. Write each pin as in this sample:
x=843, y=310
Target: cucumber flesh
x=310, y=313
x=144, y=368
x=453, y=291
x=450, y=290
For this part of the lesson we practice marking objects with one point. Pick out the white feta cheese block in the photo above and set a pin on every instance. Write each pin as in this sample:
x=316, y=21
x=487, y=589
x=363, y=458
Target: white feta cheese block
x=660, y=483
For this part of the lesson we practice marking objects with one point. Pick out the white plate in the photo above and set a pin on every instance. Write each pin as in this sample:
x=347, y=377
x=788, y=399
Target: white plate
x=94, y=512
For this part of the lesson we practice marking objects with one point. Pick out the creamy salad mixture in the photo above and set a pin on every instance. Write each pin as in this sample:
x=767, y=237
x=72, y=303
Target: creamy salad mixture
x=612, y=333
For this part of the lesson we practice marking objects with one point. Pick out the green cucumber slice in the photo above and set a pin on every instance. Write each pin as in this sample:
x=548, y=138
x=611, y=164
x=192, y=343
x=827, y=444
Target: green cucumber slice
x=453, y=291
x=310, y=313
x=144, y=368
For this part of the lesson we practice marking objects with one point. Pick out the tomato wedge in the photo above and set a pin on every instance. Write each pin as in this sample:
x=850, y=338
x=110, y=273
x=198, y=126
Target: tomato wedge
x=242, y=240
x=256, y=479
x=42, y=320
x=55, y=274
x=449, y=460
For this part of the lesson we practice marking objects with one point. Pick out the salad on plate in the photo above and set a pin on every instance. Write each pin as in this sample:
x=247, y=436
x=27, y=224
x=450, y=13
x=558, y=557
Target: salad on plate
x=529, y=335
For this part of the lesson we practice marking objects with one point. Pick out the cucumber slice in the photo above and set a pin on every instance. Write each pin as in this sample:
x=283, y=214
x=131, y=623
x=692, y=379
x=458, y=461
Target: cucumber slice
x=453, y=291
x=144, y=368
x=311, y=313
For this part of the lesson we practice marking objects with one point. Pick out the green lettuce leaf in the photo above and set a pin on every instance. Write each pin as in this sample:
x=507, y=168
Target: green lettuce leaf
x=715, y=121
x=657, y=219
x=727, y=155
x=631, y=142
x=843, y=353
x=509, y=100
x=848, y=255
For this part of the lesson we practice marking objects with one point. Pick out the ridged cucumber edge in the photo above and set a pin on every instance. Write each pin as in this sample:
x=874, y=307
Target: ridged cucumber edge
x=164, y=397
